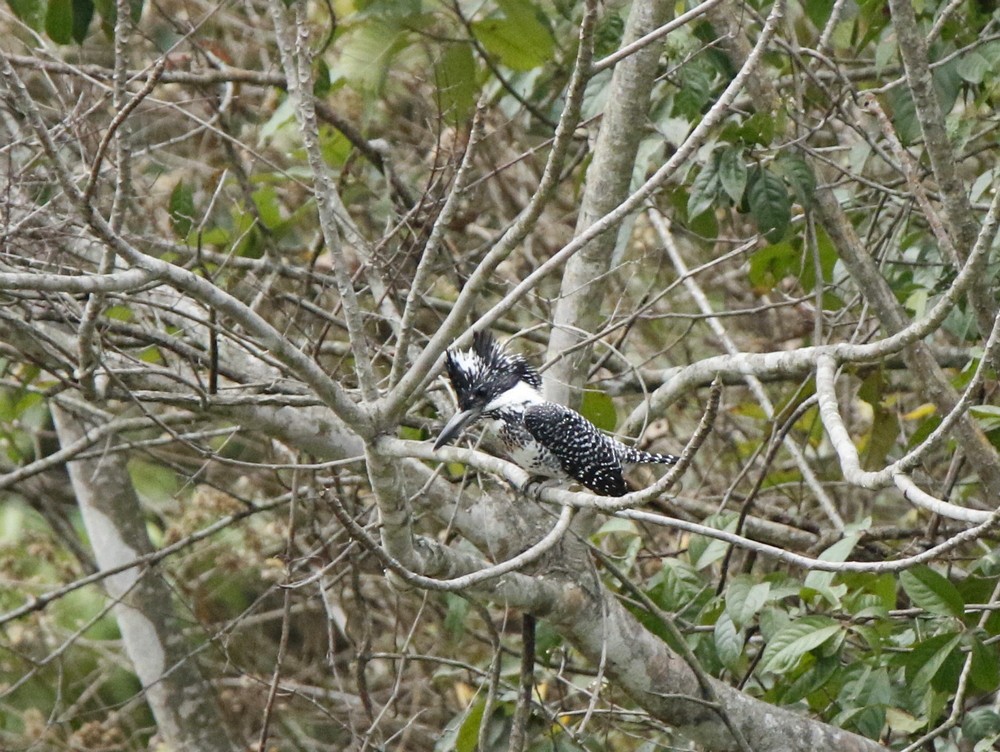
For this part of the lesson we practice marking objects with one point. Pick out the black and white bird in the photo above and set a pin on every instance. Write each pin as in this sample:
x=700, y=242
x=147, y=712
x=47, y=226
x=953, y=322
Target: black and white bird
x=545, y=438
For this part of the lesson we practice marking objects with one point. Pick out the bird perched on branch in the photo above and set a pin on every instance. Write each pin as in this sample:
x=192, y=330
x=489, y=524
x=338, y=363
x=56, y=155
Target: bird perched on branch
x=544, y=438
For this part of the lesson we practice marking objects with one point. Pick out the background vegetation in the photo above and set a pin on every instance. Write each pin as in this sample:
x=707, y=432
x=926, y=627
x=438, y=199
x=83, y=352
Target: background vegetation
x=235, y=239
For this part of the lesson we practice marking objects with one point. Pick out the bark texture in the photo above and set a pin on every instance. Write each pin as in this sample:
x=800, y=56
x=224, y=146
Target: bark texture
x=185, y=706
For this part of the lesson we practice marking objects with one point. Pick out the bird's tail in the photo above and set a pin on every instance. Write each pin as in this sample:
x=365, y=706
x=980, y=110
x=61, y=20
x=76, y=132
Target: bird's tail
x=639, y=457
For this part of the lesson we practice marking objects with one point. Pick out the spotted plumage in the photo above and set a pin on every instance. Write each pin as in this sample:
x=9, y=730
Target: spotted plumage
x=544, y=438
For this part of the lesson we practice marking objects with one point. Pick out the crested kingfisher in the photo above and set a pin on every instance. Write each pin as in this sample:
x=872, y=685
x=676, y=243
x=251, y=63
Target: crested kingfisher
x=544, y=438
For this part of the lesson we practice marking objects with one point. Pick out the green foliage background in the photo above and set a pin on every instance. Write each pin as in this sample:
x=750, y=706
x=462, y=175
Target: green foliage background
x=222, y=185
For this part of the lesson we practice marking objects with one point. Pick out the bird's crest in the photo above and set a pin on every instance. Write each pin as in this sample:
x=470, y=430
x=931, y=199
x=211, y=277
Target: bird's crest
x=480, y=374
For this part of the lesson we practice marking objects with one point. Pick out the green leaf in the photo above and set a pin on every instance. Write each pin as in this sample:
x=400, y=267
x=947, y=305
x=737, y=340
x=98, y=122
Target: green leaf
x=518, y=39
x=599, y=409
x=885, y=51
x=813, y=678
x=818, y=12
x=732, y=173
x=367, y=51
x=929, y=657
x=772, y=263
x=758, y=129
x=947, y=84
x=769, y=203
x=321, y=78
x=108, y=11
x=675, y=585
x=800, y=177
x=881, y=438
x=468, y=733
x=980, y=723
x=839, y=551
x=695, y=88
x=83, y=12
x=266, y=201
x=705, y=189
x=455, y=615
x=932, y=592
x=335, y=146
x=728, y=641
x=786, y=648
x=455, y=74
x=903, y=115
x=32, y=12
x=59, y=21
x=973, y=67
x=744, y=598
x=181, y=208
x=984, y=671
x=704, y=551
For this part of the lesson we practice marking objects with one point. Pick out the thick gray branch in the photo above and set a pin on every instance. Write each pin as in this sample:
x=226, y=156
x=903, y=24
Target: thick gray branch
x=585, y=278
x=184, y=704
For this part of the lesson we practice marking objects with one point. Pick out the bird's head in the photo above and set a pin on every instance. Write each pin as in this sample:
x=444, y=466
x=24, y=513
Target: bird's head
x=486, y=379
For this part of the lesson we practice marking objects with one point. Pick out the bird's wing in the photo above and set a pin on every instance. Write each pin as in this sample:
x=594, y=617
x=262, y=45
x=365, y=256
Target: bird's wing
x=585, y=454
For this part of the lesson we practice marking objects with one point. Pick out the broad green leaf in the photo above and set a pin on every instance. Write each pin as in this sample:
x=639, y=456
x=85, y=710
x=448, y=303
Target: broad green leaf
x=455, y=76
x=973, y=67
x=32, y=12
x=732, y=173
x=266, y=201
x=704, y=551
x=947, y=84
x=758, y=129
x=903, y=114
x=675, y=584
x=321, y=78
x=772, y=263
x=980, y=723
x=695, y=89
x=881, y=437
x=818, y=12
x=769, y=203
x=745, y=598
x=335, y=146
x=900, y=720
x=119, y=313
x=518, y=38
x=839, y=551
x=786, y=648
x=455, y=615
x=728, y=641
x=599, y=409
x=283, y=115
x=108, y=11
x=705, y=189
x=156, y=484
x=83, y=12
x=988, y=416
x=931, y=591
x=869, y=721
x=181, y=209
x=626, y=541
x=608, y=34
x=800, y=177
x=59, y=21
x=928, y=658
x=468, y=733
x=885, y=52
x=985, y=671
x=367, y=51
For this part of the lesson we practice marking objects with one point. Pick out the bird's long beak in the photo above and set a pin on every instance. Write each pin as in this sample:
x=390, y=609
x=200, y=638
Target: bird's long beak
x=454, y=427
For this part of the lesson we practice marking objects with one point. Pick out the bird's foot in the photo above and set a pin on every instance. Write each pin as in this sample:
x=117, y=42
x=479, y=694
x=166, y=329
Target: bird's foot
x=534, y=487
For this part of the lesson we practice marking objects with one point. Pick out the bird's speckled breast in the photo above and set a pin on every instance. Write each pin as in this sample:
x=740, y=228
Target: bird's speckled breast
x=521, y=447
